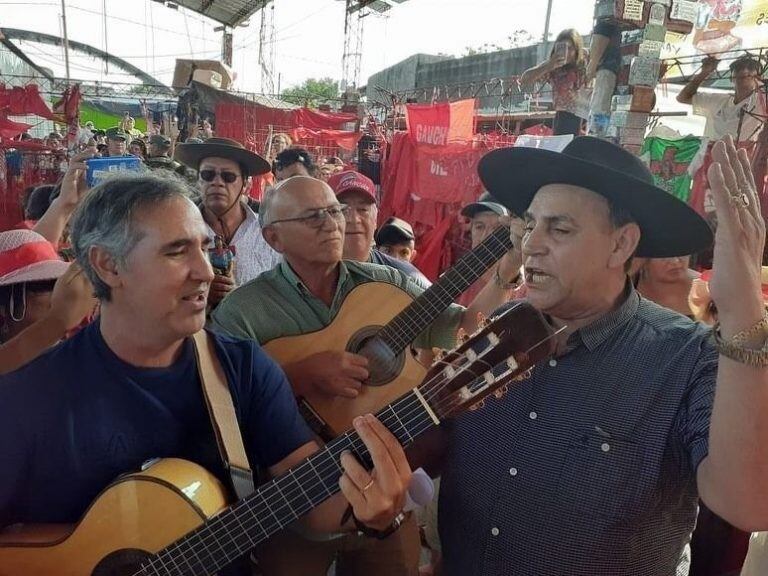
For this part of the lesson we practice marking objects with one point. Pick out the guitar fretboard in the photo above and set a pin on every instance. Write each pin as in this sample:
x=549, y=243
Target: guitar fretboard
x=283, y=500
x=415, y=318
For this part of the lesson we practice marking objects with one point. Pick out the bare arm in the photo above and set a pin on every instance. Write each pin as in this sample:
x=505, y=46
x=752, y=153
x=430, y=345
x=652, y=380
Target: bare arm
x=533, y=75
x=596, y=51
x=73, y=187
x=689, y=90
x=492, y=295
x=733, y=478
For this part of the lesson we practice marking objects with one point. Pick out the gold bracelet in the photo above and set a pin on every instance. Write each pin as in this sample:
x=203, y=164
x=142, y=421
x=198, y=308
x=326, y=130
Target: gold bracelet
x=507, y=285
x=757, y=329
x=735, y=349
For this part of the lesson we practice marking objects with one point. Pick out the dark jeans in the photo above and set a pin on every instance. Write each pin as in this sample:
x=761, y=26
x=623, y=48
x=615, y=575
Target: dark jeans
x=566, y=123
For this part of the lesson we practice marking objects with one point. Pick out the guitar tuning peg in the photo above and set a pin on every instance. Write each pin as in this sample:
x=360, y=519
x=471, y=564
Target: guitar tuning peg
x=477, y=406
x=439, y=353
x=462, y=336
x=524, y=375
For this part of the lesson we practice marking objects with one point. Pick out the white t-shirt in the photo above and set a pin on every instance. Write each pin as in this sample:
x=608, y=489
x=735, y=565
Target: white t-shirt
x=723, y=115
x=252, y=253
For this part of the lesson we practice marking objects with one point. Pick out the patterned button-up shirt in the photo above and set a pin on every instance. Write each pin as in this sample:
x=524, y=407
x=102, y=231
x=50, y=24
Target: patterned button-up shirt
x=588, y=468
x=252, y=253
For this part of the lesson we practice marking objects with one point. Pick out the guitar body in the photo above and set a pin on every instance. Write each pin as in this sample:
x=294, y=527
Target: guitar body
x=138, y=513
x=366, y=309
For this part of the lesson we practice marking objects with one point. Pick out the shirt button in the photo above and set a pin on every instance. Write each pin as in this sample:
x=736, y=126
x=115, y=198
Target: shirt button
x=513, y=471
x=605, y=447
x=533, y=415
x=552, y=362
x=495, y=531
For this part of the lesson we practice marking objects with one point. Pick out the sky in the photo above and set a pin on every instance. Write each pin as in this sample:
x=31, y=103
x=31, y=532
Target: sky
x=309, y=34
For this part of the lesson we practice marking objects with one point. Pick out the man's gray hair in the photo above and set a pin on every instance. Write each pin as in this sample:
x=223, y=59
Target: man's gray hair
x=105, y=218
x=267, y=206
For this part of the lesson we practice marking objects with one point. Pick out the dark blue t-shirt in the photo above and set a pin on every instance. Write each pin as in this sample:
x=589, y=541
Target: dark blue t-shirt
x=78, y=416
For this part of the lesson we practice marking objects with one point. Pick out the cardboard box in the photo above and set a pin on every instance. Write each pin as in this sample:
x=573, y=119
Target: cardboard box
x=186, y=68
x=682, y=16
x=644, y=71
x=634, y=99
x=626, y=119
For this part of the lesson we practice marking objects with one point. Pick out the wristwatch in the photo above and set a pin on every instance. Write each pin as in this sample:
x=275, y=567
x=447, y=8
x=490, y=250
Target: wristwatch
x=379, y=534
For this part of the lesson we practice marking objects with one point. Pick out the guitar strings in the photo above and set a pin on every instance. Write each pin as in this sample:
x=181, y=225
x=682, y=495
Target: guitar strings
x=332, y=466
x=434, y=384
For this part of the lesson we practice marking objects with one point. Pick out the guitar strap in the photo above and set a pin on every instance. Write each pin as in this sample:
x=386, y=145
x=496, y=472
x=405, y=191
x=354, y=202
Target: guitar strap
x=218, y=399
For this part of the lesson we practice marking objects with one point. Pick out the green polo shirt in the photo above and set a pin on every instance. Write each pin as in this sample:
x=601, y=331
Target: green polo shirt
x=277, y=304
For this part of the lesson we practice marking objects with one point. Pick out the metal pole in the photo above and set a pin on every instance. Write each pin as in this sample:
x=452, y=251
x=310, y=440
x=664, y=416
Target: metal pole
x=545, y=39
x=66, y=38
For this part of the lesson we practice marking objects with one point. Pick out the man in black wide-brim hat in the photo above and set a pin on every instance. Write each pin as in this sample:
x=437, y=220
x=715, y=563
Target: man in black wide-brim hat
x=594, y=465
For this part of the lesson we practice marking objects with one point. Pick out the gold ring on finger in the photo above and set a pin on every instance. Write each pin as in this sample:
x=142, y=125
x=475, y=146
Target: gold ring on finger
x=367, y=486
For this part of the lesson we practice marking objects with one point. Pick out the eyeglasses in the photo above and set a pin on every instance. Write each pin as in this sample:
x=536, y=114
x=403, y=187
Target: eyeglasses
x=318, y=217
x=226, y=175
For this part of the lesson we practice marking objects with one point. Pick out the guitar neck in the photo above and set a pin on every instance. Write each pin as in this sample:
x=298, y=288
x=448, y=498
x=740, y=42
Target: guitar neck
x=415, y=318
x=283, y=500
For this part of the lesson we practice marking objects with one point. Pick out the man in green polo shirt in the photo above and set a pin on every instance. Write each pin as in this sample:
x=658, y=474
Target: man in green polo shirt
x=302, y=219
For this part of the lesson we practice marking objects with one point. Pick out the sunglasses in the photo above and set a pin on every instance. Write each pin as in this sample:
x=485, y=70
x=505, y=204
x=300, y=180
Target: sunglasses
x=226, y=175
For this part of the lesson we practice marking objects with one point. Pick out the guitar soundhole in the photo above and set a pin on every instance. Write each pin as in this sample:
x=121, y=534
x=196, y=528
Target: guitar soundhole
x=383, y=365
x=125, y=562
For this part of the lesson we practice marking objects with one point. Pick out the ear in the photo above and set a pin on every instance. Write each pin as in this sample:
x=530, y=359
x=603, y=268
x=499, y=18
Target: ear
x=414, y=253
x=105, y=266
x=272, y=236
x=625, y=241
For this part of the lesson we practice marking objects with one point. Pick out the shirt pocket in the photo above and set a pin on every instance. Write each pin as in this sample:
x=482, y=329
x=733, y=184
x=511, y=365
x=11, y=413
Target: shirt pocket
x=600, y=476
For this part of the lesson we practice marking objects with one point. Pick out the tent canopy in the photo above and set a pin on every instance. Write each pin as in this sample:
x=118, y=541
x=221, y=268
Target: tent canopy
x=228, y=12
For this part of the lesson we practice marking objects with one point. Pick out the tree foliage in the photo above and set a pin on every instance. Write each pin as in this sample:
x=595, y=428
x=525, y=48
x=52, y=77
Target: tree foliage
x=313, y=92
x=517, y=39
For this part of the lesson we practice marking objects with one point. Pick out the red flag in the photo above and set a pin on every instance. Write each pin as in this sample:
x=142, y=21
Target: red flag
x=447, y=174
x=441, y=124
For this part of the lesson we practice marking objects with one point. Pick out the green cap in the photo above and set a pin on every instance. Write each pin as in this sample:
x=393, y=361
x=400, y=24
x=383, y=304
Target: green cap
x=117, y=133
x=159, y=140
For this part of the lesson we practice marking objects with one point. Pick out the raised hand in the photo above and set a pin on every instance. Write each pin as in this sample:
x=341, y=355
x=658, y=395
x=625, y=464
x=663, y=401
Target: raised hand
x=739, y=240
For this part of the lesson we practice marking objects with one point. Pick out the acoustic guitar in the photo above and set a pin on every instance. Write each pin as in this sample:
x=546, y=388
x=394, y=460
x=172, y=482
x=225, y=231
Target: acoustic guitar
x=380, y=321
x=172, y=518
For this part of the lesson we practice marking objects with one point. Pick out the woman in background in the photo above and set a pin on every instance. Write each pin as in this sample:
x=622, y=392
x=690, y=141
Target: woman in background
x=566, y=72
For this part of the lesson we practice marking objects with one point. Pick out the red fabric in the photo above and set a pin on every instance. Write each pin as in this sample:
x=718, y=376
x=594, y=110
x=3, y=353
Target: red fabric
x=342, y=138
x=11, y=129
x=232, y=120
x=441, y=124
x=700, y=199
x=25, y=255
x=448, y=173
x=20, y=101
x=431, y=257
x=539, y=130
x=398, y=175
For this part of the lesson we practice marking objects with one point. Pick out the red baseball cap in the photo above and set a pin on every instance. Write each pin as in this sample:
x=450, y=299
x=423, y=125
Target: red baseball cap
x=342, y=182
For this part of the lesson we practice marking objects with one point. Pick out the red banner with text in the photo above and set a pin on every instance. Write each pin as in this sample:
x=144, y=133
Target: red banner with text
x=441, y=124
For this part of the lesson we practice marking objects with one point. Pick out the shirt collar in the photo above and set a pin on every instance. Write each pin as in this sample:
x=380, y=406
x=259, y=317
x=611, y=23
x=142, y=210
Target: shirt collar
x=294, y=280
x=598, y=332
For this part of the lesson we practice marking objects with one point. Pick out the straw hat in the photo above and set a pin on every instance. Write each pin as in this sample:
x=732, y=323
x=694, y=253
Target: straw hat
x=26, y=256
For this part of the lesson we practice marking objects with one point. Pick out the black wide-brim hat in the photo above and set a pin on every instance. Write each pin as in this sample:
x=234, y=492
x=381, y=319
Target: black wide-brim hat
x=192, y=154
x=668, y=226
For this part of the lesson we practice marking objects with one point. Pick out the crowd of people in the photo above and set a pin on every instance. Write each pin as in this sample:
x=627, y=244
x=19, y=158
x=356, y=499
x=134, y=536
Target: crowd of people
x=653, y=404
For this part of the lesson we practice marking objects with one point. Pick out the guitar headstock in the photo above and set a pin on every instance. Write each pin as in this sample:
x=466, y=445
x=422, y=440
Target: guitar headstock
x=503, y=350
